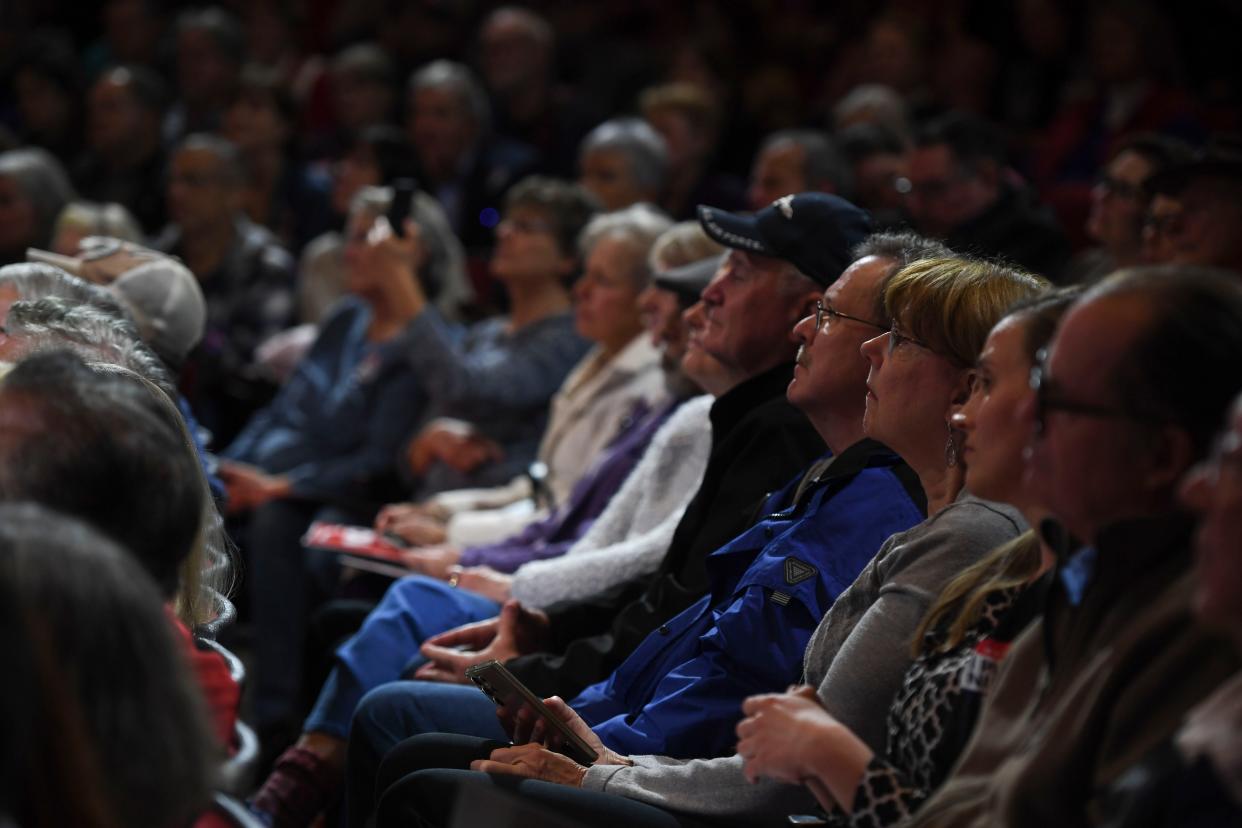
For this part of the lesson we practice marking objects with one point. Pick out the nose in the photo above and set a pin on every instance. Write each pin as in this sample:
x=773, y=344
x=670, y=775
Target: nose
x=874, y=349
x=804, y=331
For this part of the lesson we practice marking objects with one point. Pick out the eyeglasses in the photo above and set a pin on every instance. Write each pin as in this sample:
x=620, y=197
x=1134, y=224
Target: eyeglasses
x=1048, y=399
x=823, y=311
x=896, y=338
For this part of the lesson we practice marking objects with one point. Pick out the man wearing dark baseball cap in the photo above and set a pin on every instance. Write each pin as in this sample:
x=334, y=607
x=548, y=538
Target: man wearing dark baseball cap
x=814, y=232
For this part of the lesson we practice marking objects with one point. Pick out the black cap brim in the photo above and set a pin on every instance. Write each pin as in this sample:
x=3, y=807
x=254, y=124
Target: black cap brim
x=740, y=232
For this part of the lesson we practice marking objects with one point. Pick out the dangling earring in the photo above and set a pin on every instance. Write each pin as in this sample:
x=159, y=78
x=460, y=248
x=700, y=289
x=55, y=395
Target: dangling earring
x=950, y=447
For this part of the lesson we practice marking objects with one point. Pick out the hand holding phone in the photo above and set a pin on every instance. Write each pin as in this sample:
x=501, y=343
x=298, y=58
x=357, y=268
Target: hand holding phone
x=504, y=688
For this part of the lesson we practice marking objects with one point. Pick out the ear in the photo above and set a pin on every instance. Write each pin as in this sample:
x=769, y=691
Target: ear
x=961, y=389
x=1170, y=454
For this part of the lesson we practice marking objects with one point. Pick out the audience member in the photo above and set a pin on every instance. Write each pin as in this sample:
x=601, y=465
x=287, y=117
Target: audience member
x=33, y=191
x=960, y=191
x=125, y=156
x=278, y=192
x=376, y=157
x=1202, y=229
x=493, y=380
x=363, y=83
x=517, y=57
x=797, y=161
x=325, y=448
x=878, y=163
x=246, y=277
x=689, y=122
x=102, y=724
x=210, y=51
x=1116, y=661
x=461, y=162
x=1119, y=204
x=107, y=446
x=47, y=86
x=622, y=162
x=634, y=528
x=617, y=380
x=1193, y=777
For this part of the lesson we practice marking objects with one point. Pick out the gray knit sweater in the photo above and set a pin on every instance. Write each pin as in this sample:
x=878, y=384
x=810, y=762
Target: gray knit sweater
x=856, y=658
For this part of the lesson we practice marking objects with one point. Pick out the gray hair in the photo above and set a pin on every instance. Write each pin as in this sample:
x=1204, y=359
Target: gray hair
x=224, y=150
x=36, y=280
x=641, y=145
x=444, y=266
x=638, y=225
x=92, y=331
x=223, y=27
x=873, y=103
x=902, y=248
x=365, y=61
x=447, y=74
x=822, y=161
x=43, y=182
x=103, y=337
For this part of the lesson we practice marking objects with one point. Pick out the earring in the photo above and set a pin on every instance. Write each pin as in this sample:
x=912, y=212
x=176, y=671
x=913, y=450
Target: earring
x=950, y=447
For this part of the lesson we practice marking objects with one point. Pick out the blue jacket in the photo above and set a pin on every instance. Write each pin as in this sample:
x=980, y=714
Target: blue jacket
x=680, y=692
x=336, y=426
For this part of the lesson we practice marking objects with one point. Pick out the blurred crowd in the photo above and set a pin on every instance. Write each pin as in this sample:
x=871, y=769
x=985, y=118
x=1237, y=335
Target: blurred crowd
x=821, y=407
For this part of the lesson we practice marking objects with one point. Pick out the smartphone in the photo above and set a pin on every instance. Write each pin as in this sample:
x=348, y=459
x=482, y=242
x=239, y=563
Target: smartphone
x=504, y=688
x=403, y=190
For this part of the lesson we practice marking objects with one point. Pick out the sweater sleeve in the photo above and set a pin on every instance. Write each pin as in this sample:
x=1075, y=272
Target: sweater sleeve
x=524, y=375
x=632, y=535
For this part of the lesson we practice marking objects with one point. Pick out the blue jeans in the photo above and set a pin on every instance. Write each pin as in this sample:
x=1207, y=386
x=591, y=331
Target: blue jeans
x=396, y=711
x=386, y=647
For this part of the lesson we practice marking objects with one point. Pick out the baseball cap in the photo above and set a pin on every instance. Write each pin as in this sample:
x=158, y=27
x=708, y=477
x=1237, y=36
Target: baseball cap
x=688, y=280
x=815, y=232
x=159, y=292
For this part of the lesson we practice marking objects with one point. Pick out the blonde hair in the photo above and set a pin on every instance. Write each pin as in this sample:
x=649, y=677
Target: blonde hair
x=959, y=606
x=951, y=303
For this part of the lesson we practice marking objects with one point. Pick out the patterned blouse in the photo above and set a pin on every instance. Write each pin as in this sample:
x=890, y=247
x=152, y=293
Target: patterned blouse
x=934, y=712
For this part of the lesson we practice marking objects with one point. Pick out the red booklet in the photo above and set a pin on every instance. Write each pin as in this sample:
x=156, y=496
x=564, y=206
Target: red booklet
x=365, y=548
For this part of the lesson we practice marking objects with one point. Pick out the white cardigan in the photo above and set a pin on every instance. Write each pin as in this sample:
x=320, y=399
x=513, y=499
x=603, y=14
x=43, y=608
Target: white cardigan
x=632, y=535
x=585, y=415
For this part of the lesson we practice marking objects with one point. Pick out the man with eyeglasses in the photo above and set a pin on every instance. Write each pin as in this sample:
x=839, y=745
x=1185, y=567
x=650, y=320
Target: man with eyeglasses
x=1119, y=202
x=1208, y=194
x=961, y=191
x=1126, y=400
